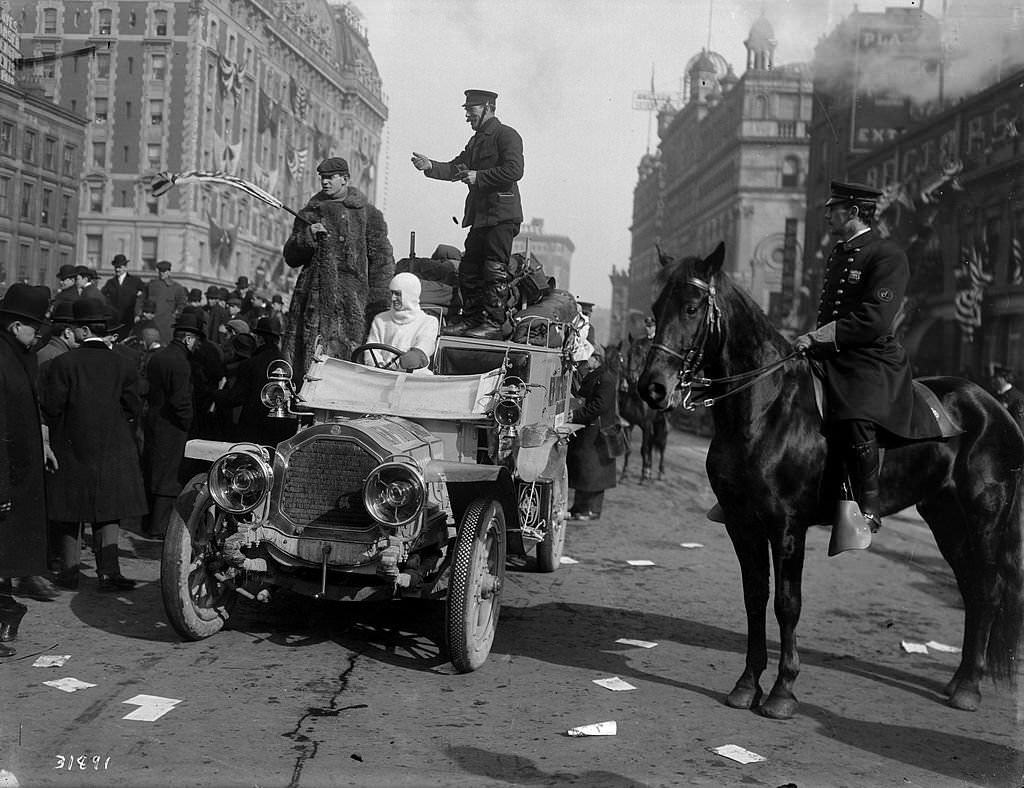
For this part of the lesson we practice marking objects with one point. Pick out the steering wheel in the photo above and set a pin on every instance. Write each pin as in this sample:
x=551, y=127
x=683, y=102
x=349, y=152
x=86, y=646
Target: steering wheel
x=391, y=364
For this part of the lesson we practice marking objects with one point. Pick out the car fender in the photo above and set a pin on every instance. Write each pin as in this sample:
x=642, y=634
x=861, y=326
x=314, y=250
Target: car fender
x=466, y=482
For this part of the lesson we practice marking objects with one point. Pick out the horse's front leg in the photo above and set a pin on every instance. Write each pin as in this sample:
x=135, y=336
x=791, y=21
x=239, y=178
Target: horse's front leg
x=789, y=566
x=752, y=552
x=645, y=453
x=628, y=433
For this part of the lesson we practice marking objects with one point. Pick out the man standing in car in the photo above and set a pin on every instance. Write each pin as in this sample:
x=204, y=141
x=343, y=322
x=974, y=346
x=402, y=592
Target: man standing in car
x=491, y=166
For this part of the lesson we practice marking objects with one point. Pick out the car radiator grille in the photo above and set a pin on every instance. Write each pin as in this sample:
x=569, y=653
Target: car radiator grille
x=323, y=485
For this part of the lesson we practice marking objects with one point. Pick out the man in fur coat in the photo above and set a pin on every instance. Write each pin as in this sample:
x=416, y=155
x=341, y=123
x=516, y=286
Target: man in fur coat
x=341, y=244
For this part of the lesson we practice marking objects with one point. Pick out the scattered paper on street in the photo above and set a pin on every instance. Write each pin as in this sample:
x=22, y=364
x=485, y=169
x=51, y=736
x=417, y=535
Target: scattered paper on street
x=124, y=600
x=567, y=560
x=68, y=684
x=596, y=729
x=8, y=779
x=640, y=562
x=151, y=707
x=51, y=660
x=159, y=624
x=690, y=545
x=936, y=646
x=615, y=684
x=914, y=648
x=736, y=753
x=638, y=643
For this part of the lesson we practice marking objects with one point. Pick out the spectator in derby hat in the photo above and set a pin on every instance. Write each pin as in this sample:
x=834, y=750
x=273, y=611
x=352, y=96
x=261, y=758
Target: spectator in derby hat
x=491, y=166
x=168, y=297
x=591, y=468
x=61, y=335
x=277, y=310
x=24, y=452
x=91, y=404
x=216, y=313
x=68, y=292
x=243, y=292
x=340, y=243
x=207, y=362
x=254, y=423
x=234, y=305
x=195, y=298
x=123, y=292
x=1009, y=395
x=85, y=281
x=169, y=420
x=146, y=315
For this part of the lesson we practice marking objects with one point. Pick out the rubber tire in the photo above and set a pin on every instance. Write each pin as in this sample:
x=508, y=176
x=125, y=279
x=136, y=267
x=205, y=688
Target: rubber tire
x=193, y=617
x=470, y=621
x=549, y=552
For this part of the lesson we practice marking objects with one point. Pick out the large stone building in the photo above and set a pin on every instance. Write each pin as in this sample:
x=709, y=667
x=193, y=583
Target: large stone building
x=731, y=166
x=261, y=90
x=553, y=251
x=40, y=168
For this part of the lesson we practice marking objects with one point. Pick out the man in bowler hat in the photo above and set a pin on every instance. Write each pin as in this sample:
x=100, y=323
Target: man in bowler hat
x=867, y=374
x=123, y=292
x=491, y=166
x=168, y=297
x=68, y=292
x=1008, y=394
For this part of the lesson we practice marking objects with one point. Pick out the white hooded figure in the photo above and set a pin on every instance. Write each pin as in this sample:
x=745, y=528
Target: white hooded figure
x=405, y=327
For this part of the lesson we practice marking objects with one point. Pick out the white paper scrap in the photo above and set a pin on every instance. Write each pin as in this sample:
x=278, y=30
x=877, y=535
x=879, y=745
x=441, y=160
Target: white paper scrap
x=690, y=545
x=638, y=643
x=914, y=648
x=124, y=600
x=615, y=684
x=936, y=646
x=640, y=562
x=736, y=753
x=51, y=660
x=567, y=560
x=151, y=707
x=68, y=684
x=597, y=729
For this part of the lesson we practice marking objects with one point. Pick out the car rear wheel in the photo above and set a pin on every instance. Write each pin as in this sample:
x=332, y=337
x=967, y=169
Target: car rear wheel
x=474, y=593
x=549, y=552
x=196, y=602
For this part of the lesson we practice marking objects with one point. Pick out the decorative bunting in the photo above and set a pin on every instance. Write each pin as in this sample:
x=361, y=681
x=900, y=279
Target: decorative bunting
x=971, y=282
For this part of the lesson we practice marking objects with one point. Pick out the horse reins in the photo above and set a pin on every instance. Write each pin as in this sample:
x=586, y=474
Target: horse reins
x=693, y=356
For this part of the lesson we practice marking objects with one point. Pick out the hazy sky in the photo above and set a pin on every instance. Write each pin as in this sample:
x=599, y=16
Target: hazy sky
x=565, y=72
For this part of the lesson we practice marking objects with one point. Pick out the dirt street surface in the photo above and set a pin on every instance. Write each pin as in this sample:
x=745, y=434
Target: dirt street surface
x=298, y=694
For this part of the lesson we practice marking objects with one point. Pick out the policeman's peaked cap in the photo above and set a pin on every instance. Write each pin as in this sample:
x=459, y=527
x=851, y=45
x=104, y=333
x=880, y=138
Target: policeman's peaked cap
x=475, y=98
x=851, y=192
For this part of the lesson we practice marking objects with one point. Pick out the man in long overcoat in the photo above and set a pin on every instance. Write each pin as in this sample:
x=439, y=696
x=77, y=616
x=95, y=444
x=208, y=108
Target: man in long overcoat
x=169, y=420
x=341, y=244
x=22, y=486
x=91, y=404
x=868, y=380
x=123, y=292
x=168, y=299
x=591, y=468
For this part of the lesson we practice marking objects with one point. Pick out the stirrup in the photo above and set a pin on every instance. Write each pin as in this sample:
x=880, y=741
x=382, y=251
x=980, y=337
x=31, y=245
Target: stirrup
x=851, y=530
x=716, y=514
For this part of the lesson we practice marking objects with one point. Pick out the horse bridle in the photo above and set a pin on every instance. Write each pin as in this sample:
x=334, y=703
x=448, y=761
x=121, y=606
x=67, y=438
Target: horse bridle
x=693, y=357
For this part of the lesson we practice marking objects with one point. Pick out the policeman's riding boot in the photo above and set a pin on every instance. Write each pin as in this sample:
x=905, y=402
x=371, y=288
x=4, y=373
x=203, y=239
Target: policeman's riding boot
x=494, y=323
x=857, y=519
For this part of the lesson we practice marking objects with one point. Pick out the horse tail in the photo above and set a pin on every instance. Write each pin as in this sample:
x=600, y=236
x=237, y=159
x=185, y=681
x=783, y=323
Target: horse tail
x=1004, y=643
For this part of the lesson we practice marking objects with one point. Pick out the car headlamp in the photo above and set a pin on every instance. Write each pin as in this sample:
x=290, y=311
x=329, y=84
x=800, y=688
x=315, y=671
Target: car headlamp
x=394, y=493
x=240, y=480
x=276, y=394
x=509, y=408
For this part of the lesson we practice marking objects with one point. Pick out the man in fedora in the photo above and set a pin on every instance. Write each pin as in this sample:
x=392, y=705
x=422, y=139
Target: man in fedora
x=340, y=243
x=61, y=336
x=216, y=313
x=24, y=454
x=68, y=292
x=867, y=374
x=169, y=420
x=123, y=292
x=91, y=405
x=85, y=281
x=491, y=166
x=168, y=297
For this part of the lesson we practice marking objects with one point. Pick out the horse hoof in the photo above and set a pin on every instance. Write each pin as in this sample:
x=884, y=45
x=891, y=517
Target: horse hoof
x=965, y=699
x=744, y=697
x=778, y=708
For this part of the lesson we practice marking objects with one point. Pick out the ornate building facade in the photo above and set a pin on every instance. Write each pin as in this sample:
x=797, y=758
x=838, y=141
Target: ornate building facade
x=553, y=251
x=260, y=90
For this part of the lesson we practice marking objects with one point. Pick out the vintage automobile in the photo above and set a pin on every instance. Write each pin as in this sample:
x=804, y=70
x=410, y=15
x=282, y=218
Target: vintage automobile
x=394, y=485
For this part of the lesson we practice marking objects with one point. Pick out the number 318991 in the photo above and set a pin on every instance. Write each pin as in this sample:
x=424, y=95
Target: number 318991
x=82, y=762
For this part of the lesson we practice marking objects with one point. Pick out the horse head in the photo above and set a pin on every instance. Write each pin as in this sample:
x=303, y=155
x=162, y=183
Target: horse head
x=688, y=315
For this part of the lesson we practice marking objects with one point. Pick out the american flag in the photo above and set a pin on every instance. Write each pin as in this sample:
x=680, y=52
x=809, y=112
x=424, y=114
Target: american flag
x=164, y=181
x=971, y=281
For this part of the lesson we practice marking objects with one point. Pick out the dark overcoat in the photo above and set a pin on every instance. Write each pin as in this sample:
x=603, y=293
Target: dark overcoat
x=91, y=403
x=1013, y=400
x=23, y=528
x=495, y=151
x=169, y=417
x=170, y=298
x=590, y=467
x=254, y=423
x=869, y=377
x=123, y=298
x=344, y=278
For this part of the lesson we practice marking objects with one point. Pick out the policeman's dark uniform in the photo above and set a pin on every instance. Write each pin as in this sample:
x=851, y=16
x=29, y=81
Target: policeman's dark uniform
x=867, y=375
x=493, y=213
x=1011, y=398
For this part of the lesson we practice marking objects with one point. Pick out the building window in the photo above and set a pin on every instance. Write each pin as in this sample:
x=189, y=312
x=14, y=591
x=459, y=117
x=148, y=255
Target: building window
x=93, y=250
x=131, y=65
x=28, y=147
x=760, y=106
x=68, y=164
x=48, y=68
x=158, y=62
x=160, y=22
x=24, y=262
x=5, y=196
x=149, y=251
x=154, y=155
x=46, y=207
x=99, y=154
x=50, y=154
x=43, y=269
x=100, y=115
x=65, y=211
x=102, y=65
x=106, y=19
x=49, y=21
x=156, y=112
x=96, y=198
x=152, y=205
x=790, y=172
x=27, y=198
x=127, y=109
x=6, y=137
x=787, y=128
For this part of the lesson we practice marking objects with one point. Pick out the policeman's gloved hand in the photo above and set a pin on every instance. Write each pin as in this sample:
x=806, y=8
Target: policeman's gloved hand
x=818, y=344
x=413, y=359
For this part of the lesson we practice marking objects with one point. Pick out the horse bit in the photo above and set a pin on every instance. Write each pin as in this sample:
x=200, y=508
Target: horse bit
x=693, y=357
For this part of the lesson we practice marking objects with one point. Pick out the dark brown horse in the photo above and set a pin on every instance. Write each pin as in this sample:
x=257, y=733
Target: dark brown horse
x=627, y=362
x=766, y=464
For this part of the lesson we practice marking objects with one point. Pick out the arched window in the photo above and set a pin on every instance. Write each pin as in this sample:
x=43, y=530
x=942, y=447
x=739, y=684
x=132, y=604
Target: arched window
x=790, y=172
x=106, y=21
x=760, y=106
x=49, y=21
